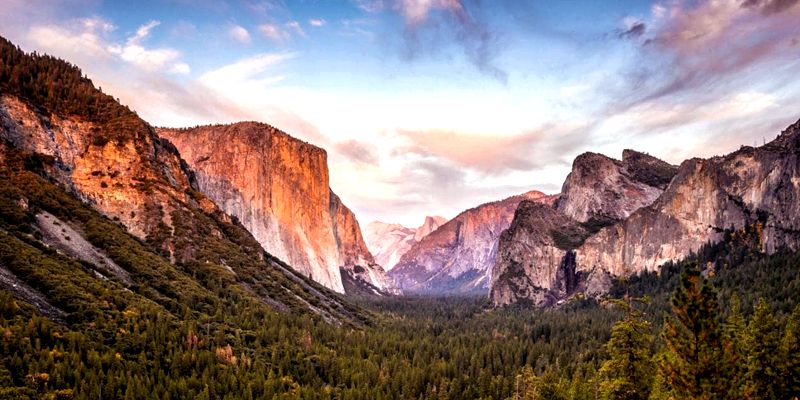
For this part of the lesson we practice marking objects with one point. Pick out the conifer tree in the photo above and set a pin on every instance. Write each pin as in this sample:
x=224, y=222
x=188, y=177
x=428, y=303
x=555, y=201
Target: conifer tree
x=693, y=348
x=628, y=372
x=790, y=353
x=734, y=363
x=763, y=358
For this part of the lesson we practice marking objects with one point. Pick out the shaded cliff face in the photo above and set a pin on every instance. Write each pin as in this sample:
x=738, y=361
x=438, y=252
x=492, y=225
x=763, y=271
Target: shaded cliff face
x=459, y=255
x=355, y=260
x=536, y=257
x=388, y=242
x=277, y=186
x=602, y=190
x=752, y=186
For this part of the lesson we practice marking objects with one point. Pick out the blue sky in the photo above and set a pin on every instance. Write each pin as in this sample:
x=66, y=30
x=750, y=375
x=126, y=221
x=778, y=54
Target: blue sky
x=434, y=106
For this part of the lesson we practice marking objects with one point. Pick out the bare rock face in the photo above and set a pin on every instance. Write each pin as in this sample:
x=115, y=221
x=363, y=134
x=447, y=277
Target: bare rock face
x=388, y=242
x=458, y=256
x=753, y=186
x=756, y=186
x=138, y=182
x=536, y=257
x=537, y=262
x=354, y=257
x=277, y=186
x=602, y=190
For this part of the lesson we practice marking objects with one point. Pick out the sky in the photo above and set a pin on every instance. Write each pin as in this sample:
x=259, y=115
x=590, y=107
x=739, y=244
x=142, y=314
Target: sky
x=431, y=107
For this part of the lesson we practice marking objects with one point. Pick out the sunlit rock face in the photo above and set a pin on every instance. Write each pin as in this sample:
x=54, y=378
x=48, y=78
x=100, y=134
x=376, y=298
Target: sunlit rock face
x=458, y=256
x=756, y=186
x=278, y=188
x=138, y=182
x=388, y=242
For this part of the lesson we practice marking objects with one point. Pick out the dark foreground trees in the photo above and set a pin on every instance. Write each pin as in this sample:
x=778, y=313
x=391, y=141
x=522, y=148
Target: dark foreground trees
x=703, y=357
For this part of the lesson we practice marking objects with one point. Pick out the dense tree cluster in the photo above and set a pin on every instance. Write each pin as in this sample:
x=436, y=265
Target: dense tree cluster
x=698, y=355
x=58, y=87
x=191, y=333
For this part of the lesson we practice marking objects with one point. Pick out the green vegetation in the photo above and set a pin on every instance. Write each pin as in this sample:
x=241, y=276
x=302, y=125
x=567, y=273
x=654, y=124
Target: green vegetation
x=61, y=88
x=627, y=374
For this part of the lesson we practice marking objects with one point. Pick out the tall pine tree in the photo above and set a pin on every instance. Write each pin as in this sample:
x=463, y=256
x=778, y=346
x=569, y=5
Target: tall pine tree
x=692, y=338
x=628, y=372
x=790, y=353
x=762, y=379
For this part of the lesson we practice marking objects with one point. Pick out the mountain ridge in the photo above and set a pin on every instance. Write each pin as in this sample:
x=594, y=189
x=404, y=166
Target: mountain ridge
x=705, y=198
x=388, y=242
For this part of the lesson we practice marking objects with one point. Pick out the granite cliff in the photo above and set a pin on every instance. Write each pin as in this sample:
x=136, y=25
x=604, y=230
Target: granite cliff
x=88, y=183
x=277, y=187
x=602, y=190
x=139, y=181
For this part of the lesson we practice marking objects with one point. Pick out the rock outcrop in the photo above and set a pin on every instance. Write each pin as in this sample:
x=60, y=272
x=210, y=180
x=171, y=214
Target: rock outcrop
x=750, y=187
x=277, y=187
x=355, y=259
x=88, y=186
x=535, y=260
x=139, y=181
x=388, y=242
x=458, y=256
x=601, y=190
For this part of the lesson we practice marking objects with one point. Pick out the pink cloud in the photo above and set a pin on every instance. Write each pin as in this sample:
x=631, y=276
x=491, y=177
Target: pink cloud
x=701, y=44
x=495, y=154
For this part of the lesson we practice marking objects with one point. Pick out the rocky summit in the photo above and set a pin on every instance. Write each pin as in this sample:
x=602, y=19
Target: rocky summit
x=602, y=190
x=278, y=189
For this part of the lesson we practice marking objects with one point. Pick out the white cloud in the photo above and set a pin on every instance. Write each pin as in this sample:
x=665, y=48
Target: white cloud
x=280, y=34
x=317, y=22
x=66, y=43
x=98, y=24
x=273, y=32
x=180, y=68
x=246, y=75
x=239, y=34
x=87, y=41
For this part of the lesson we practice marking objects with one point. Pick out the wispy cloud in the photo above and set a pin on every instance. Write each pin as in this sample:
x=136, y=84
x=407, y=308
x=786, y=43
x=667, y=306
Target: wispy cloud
x=495, y=154
x=246, y=73
x=705, y=45
x=281, y=33
x=317, y=22
x=151, y=59
x=430, y=25
x=357, y=151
